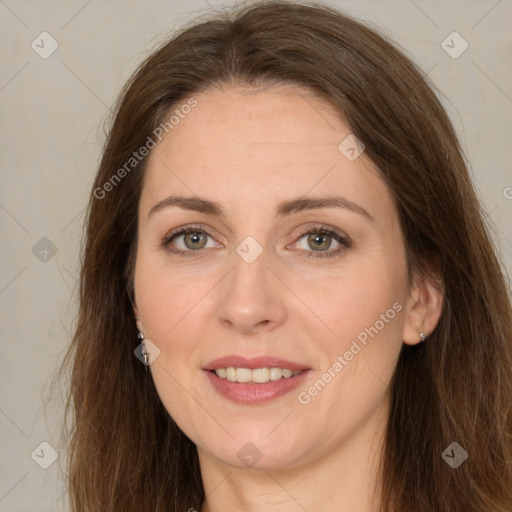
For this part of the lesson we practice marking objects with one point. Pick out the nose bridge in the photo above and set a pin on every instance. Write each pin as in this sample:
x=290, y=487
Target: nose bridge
x=249, y=297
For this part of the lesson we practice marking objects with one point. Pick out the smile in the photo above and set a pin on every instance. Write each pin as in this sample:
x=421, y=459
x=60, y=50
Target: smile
x=257, y=375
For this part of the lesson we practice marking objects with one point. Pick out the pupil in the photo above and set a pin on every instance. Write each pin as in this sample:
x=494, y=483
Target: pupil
x=194, y=238
x=319, y=240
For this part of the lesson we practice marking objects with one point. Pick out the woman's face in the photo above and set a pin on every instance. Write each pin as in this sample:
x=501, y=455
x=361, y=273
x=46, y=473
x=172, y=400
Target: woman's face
x=292, y=259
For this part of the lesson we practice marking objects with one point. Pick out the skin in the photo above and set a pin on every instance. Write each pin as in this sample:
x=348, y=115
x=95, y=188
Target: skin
x=249, y=150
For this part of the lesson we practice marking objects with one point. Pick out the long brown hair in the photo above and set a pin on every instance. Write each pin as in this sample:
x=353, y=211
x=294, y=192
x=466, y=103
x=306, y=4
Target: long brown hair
x=125, y=451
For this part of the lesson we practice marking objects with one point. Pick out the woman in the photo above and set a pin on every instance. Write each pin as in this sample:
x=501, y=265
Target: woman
x=289, y=299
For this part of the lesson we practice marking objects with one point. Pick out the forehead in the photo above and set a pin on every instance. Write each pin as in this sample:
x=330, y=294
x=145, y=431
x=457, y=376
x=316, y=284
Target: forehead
x=239, y=117
x=267, y=144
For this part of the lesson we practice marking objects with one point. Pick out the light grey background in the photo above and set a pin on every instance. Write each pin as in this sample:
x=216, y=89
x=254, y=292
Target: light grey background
x=52, y=116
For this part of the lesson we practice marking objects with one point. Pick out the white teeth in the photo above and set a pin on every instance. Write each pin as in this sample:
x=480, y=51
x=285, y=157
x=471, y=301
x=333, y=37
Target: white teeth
x=230, y=374
x=243, y=375
x=261, y=375
x=221, y=372
x=275, y=373
x=258, y=375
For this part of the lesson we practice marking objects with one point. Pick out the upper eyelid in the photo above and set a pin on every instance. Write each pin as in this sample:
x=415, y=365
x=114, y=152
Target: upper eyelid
x=187, y=229
x=323, y=228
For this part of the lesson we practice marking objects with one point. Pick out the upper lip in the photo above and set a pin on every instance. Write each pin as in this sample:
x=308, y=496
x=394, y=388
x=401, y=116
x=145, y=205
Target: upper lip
x=253, y=362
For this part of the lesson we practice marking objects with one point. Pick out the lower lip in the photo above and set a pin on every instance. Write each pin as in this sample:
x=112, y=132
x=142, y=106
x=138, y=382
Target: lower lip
x=251, y=393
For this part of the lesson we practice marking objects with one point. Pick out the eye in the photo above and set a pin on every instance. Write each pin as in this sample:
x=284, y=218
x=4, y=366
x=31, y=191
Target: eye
x=315, y=241
x=187, y=241
x=320, y=239
x=194, y=240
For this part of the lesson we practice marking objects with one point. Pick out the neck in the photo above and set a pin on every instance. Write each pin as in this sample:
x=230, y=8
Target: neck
x=345, y=478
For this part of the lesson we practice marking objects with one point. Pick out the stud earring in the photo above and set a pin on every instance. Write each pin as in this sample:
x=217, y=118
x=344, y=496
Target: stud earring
x=422, y=336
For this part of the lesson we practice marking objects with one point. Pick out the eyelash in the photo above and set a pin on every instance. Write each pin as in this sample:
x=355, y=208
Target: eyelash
x=317, y=230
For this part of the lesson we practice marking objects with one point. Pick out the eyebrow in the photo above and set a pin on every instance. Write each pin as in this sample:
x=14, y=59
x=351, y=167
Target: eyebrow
x=284, y=208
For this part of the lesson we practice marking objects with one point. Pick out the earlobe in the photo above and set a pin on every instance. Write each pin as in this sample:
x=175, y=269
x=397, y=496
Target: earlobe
x=423, y=310
x=138, y=322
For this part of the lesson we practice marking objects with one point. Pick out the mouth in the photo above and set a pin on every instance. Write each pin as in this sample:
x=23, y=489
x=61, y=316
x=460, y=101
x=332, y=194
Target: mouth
x=256, y=380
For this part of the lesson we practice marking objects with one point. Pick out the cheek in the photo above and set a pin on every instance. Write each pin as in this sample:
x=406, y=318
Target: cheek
x=355, y=298
x=363, y=307
x=167, y=297
x=170, y=303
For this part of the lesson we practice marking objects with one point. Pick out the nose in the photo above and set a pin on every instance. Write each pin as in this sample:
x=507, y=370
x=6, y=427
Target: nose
x=252, y=299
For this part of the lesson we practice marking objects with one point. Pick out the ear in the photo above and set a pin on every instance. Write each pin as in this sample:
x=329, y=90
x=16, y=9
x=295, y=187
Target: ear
x=423, y=309
x=135, y=309
x=137, y=319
